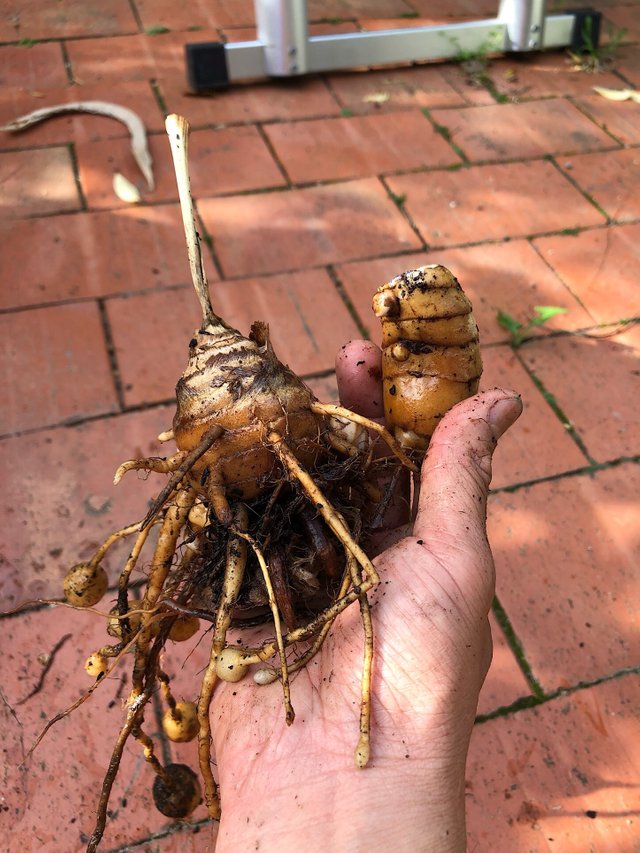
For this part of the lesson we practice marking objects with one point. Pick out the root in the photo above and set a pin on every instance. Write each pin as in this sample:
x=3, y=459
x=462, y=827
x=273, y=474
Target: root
x=233, y=576
x=340, y=412
x=189, y=461
x=115, y=537
x=150, y=463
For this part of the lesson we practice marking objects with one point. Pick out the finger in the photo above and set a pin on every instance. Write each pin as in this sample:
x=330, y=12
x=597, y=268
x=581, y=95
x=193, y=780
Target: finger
x=359, y=376
x=456, y=472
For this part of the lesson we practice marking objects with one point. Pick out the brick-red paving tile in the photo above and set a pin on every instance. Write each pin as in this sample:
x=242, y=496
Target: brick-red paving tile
x=95, y=254
x=36, y=67
x=544, y=75
x=55, y=367
x=563, y=776
x=286, y=100
x=393, y=89
x=596, y=383
x=566, y=548
x=599, y=267
x=307, y=227
x=37, y=181
x=619, y=118
x=532, y=129
x=59, y=503
x=505, y=277
x=538, y=445
x=491, y=202
x=330, y=149
x=202, y=13
x=612, y=179
x=307, y=323
x=566, y=555
x=31, y=19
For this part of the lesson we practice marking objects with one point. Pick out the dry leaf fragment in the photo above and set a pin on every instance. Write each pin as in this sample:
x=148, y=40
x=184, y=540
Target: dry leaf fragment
x=618, y=94
x=376, y=98
x=125, y=190
x=131, y=121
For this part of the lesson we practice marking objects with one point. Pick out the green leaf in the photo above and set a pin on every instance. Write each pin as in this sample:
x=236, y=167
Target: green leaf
x=546, y=312
x=508, y=322
x=157, y=30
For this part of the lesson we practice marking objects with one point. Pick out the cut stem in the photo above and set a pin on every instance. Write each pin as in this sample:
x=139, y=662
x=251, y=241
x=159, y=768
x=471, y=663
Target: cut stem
x=177, y=128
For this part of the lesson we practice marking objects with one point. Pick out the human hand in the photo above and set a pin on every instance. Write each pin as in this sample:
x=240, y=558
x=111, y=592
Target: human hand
x=285, y=788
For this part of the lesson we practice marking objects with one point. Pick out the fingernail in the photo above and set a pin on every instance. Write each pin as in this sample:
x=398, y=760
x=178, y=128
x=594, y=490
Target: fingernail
x=504, y=413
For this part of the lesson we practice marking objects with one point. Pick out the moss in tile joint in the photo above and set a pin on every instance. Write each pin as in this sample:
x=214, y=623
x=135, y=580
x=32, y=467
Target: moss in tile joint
x=532, y=701
x=553, y=403
x=346, y=299
x=516, y=647
x=445, y=133
x=66, y=61
x=585, y=470
x=566, y=174
x=159, y=97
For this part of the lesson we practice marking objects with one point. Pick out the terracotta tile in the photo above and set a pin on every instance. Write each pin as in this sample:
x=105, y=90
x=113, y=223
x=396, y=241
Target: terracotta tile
x=37, y=181
x=285, y=100
x=221, y=161
x=394, y=88
x=326, y=224
x=507, y=278
x=566, y=555
x=530, y=129
x=59, y=504
x=325, y=387
x=542, y=75
x=619, y=118
x=628, y=64
x=538, y=445
x=202, y=13
x=505, y=682
x=238, y=34
x=319, y=9
x=596, y=383
x=33, y=67
x=76, y=127
x=185, y=839
x=120, y=59
x=621, y=17
x=588, y=261
x=56, y=367
x=611, y=178
x=307, y=321
x=561, y=776
x=330, y=149
x=457, y=8
x=92, y=254
x=52, y=802
x=492, y=202
x=66, y=19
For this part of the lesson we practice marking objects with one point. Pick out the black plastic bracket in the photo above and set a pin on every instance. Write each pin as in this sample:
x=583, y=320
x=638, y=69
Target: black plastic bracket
x=585, y=35
x=206, y=66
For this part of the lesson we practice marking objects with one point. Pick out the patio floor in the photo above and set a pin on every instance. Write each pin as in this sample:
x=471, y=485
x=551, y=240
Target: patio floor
x=516, y=175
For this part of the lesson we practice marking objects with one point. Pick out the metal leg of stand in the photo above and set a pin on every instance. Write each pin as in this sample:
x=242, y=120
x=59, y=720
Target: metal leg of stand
x=284, y=48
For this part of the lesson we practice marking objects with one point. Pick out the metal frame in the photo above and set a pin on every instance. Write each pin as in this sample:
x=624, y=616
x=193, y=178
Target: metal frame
x=284, y=48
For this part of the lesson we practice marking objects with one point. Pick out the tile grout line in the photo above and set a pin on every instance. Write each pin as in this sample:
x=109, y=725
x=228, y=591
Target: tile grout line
x=111, y=354
x=526, y=702
x=517, y=648
x=399, y=202
x=550, y=399
x=346, y=299
x=75, y=167
x=274, y=155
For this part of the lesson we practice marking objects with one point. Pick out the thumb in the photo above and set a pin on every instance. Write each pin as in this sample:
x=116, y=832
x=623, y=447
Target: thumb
x=456, y=472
